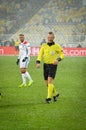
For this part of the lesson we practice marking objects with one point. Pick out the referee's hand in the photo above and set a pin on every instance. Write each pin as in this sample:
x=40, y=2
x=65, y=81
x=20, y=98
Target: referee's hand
x=55, y=62
x=37, y=65
x=17, y=62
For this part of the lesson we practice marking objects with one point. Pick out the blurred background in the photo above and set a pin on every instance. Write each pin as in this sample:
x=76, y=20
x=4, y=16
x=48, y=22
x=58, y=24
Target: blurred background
x=35, y=18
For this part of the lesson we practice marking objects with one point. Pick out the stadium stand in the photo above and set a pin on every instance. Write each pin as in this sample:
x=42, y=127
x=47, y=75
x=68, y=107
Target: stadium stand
x=67, y=18
x=14, y=14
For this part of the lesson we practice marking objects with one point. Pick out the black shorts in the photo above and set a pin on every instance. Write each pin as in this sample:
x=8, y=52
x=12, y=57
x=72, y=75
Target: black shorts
x=49, y=71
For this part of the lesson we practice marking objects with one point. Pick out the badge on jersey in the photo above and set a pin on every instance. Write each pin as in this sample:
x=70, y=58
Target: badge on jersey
x=52, y=53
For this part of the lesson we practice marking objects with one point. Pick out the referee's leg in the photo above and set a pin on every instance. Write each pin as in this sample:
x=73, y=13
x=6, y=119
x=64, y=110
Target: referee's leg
x=49, y=83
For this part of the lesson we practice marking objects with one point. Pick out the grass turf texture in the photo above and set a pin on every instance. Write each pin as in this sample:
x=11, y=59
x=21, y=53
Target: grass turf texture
x=25, y=108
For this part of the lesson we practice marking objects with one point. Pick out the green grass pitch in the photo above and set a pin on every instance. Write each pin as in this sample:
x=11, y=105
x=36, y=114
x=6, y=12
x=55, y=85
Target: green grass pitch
x=25, y=108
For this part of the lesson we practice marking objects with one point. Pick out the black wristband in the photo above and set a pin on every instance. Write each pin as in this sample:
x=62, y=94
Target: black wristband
x=59, y=59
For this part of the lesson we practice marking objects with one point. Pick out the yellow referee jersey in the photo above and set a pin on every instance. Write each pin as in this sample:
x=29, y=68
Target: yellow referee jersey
x=16, y=43
x=50, y=53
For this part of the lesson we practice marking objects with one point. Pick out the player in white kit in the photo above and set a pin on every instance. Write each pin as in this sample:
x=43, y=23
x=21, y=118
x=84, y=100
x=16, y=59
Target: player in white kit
x=24, y=59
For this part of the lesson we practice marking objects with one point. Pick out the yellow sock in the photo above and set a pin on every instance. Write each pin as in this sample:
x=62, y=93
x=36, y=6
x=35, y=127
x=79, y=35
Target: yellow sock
x=50, y=90
x=54, y=91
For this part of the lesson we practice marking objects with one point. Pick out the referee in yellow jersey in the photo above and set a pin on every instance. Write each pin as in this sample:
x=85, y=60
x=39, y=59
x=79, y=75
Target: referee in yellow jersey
x=52, y=54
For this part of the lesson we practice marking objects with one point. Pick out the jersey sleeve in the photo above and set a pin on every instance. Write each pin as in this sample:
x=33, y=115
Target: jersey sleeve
x=28, y=49
x=41, y=52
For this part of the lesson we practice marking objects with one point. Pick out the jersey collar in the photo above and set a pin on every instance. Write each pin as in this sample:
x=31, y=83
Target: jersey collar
x=25, y=42
x=50, y=44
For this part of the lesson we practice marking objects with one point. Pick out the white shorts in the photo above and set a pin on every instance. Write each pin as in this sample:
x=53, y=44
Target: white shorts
x=24, y=64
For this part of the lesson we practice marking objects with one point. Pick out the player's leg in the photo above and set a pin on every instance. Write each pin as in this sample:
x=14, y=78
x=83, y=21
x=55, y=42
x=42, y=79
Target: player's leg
x=47, y=80
x=51, y=87
x=50, y=83
x=29, y=78
x=45, y=70
x=27, y=73
x=51, y=91
x=53, y=73
x=23, y=71
x=45, y=73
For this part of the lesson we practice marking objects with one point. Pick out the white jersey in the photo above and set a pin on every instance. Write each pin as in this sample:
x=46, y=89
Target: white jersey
x=24, y=50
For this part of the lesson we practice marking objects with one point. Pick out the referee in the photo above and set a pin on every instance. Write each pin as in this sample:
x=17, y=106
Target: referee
x=52, y=54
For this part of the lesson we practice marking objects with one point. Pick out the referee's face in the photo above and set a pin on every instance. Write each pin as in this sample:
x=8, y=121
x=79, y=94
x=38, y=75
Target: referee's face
x=21, y=38
x=50, y=38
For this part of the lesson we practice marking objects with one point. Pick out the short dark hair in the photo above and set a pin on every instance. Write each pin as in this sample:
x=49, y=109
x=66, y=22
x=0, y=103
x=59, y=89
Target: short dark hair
x=51, y=33
x=21, y=34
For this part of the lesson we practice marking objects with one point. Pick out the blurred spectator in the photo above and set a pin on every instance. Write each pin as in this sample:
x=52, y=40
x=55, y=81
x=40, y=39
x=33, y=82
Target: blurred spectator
x=16, y=44
x=7, y=43
x=43, y=42
x=13, y=42
x=79, y=46
x=1, y=43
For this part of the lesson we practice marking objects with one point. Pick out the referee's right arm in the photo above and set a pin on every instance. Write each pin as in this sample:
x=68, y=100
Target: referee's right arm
x=39, y=57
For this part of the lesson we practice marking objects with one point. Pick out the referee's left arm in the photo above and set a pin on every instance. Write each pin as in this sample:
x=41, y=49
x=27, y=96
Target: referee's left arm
x=61, y=54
